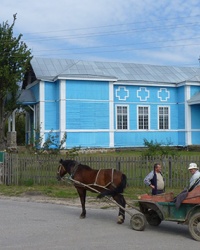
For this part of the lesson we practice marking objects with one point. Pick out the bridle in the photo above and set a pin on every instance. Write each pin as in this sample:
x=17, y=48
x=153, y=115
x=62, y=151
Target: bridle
x=58, y=172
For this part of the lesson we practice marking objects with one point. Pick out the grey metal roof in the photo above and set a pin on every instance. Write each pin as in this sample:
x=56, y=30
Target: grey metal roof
x=51, y=69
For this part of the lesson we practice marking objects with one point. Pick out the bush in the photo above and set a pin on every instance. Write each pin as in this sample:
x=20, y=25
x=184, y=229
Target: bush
x=156, y=149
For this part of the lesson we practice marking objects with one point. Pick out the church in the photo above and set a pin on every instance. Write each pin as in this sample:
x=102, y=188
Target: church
x=111, y=104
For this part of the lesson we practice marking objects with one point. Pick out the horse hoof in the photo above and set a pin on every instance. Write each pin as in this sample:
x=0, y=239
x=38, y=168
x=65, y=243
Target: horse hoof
x=82, y=216
x=120, y=219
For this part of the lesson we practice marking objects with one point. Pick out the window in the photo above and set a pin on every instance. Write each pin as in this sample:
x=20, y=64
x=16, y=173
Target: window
x=163, y=117
x=143, y=117
x=122, y=117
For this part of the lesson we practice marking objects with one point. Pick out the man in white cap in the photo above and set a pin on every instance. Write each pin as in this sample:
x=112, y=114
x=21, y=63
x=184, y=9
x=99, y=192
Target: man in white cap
x=195, y=179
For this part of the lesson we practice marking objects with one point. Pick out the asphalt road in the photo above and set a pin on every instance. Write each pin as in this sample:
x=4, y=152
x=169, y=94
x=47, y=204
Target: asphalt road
x=32, y=225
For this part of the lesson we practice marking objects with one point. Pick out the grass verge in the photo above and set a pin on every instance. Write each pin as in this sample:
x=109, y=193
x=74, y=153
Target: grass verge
x=68, y=191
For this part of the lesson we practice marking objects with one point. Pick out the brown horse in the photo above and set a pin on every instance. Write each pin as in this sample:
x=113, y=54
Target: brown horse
x=106, y=182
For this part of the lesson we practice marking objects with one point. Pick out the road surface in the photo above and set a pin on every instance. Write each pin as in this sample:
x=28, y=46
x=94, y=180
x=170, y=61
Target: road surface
x=44, y=226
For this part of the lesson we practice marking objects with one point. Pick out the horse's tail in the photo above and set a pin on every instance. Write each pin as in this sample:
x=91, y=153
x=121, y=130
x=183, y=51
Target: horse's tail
x=117, y=190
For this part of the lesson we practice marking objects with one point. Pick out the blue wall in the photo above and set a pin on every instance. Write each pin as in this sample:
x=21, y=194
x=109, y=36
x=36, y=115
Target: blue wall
x=87, y=108
x=51, y=115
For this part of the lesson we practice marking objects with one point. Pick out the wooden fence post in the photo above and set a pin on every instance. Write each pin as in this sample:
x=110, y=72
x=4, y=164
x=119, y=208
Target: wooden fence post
x=170, y=172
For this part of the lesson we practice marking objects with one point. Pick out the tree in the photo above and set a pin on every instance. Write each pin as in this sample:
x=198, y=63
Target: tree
x=14, y=62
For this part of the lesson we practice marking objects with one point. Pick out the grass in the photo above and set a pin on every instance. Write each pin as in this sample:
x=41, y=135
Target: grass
x=67, y=191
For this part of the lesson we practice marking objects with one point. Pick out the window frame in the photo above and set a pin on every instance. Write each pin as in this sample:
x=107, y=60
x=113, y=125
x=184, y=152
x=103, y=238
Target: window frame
x=116, y=117
x=138, y=123
x=168, y=107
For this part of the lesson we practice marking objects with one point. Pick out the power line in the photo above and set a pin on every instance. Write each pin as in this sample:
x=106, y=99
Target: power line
x=113, y=25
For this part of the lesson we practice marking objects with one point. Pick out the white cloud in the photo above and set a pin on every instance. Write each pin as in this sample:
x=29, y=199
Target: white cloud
x=79, y=24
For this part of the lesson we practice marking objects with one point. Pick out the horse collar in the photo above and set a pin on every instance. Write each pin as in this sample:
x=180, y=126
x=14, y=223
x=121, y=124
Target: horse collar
x=74, y=170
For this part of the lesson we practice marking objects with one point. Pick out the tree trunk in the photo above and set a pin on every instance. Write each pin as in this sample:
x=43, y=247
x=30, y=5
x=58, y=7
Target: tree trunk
x=2, y=127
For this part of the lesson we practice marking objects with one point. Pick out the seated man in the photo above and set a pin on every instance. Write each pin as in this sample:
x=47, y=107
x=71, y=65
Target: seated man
x=195, y=179
x=194, y=182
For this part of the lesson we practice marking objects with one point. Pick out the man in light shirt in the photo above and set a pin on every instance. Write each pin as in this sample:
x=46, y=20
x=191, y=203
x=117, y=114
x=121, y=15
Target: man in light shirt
x=155, y=180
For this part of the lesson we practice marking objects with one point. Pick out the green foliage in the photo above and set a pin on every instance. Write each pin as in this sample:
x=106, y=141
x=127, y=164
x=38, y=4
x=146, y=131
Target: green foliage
x=14, y=62
x=52, y=143
x=28, y=182
x=158, y=149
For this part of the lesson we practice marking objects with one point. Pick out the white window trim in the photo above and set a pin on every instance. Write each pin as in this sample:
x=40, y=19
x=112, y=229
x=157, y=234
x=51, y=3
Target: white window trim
x=122, y=105
x=148, y=117
x=164, y=106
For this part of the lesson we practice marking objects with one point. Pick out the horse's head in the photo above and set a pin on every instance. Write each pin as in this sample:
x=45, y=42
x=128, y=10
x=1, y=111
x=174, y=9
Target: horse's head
x=61, y=170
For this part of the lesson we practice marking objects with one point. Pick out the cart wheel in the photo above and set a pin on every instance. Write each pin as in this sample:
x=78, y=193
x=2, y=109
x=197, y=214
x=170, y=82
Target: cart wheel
x=194, y=226
x=153, y=218
x=138, y=222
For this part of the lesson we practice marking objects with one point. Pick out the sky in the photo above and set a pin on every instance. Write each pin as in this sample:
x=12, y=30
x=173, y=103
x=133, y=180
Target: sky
x=158, y=32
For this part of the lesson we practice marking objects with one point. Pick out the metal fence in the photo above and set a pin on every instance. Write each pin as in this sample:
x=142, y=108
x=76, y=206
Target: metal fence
x=19, y=169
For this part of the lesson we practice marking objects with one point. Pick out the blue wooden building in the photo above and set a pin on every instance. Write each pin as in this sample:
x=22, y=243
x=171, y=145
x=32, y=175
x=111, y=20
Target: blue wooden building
x=112, y=104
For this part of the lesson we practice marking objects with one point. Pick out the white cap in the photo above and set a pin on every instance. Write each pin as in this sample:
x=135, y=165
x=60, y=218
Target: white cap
x=192, y=165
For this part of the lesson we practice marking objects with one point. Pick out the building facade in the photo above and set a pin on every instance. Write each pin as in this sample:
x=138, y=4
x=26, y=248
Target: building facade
x=111, y=105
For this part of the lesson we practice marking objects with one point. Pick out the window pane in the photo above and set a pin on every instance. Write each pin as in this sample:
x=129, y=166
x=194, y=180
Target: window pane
x=143, y=117
x=122, y=117
x=163, y=118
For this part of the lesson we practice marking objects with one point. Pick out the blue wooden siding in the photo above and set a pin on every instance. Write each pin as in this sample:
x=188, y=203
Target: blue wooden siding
x=87, y=139
x=87, y=108
x=180, y=94
x=195, y=116
x=51, y=91
x=181, y=138
x=181, y=116
x=196, y=138
x=87, y=115
x=136, y=139
x=87, y=90
x=51, y=115
x=51, y=108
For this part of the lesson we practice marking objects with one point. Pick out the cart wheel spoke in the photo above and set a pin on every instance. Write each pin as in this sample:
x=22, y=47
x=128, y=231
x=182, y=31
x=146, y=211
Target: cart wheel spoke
x=194, y=226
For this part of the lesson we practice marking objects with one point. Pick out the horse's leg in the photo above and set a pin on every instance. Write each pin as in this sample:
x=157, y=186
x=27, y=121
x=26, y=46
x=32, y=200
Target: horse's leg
x=121, y=201
x=82, y=195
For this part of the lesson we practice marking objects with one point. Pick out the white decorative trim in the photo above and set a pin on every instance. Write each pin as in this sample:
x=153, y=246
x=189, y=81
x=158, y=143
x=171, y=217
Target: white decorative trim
x=111, y=115
x=118, y=93
x=188, y=140
x=62, y=108
x=143, y=89
x=42, y=109
x=162, y=99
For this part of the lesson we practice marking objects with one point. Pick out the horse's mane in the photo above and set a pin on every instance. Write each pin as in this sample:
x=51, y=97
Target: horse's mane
x=71, y=163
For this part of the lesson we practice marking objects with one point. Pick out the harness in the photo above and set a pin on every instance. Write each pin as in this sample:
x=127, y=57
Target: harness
x=96, y=179
x=74, y=170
